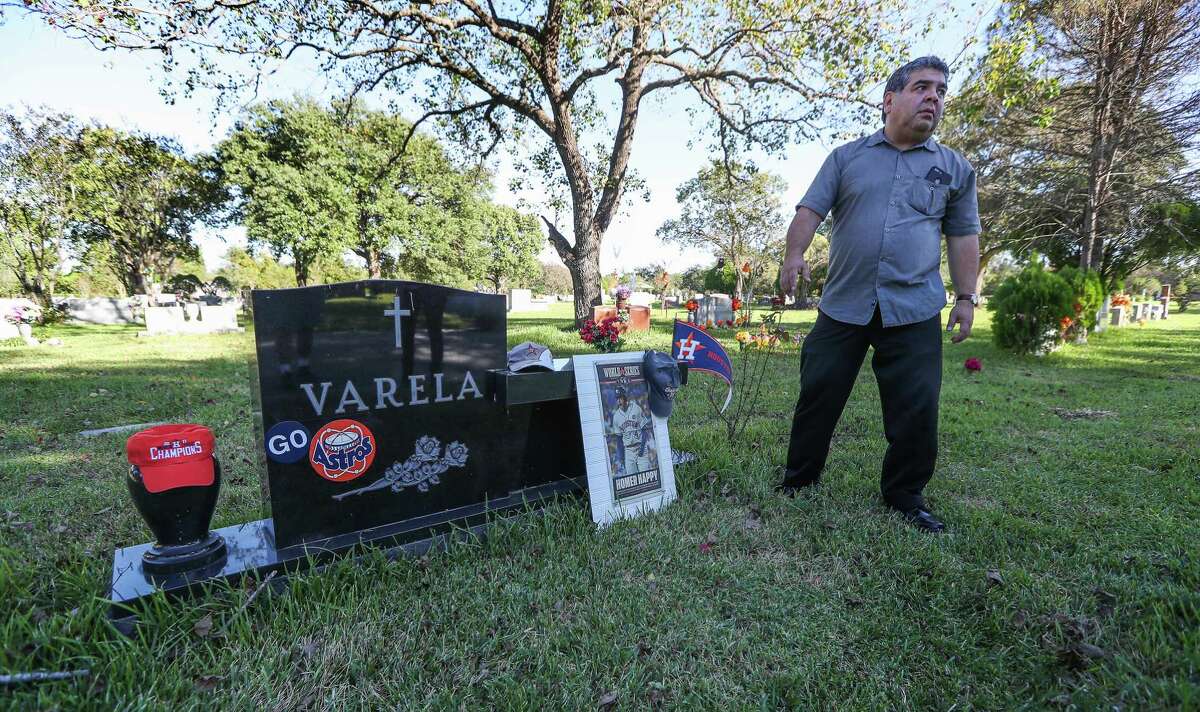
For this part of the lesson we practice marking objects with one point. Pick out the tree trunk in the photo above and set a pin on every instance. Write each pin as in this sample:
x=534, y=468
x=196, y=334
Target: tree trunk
x=585, y=280
x=301, y=267
x=984, y=258
x=135, y=281
x=374, y=263
x=582, y=260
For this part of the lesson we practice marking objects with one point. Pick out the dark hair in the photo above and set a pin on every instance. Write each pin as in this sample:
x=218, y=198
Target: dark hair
x=899, y=78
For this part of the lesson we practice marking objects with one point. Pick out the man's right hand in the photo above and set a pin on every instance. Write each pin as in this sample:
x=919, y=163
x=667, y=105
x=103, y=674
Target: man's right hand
x=793, y=266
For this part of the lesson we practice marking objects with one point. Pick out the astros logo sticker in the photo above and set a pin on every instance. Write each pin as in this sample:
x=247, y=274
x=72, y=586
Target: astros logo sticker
x=342, y=450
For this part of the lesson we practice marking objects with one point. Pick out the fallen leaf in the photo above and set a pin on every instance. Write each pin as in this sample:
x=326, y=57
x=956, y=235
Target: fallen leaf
x=655, y=696
x=1019, y=619
x=208, y=683
x=607, y=701
x=753, y=518
x=643, y=649
x=1088, y=650
x=854, y=602
x=994, y=578
x=203, y=626
x=59, y=529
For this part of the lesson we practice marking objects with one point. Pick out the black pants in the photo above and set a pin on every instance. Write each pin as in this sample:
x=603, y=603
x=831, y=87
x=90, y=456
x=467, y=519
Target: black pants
x=908, y=367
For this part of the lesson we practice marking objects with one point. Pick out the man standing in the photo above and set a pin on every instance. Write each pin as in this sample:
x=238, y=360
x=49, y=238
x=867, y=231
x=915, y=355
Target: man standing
x=893, y=195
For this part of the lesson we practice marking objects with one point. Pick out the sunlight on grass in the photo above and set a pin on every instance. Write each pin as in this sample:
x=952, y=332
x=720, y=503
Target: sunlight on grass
x=1072, y=478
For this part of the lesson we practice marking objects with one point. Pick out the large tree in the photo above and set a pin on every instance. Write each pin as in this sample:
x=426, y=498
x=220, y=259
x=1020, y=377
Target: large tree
x=139, y=198
x=733, y=211
x=563, y=81
x=284, y=167
x=509, y=242
x=1035, y=121
x=313, y=181
x=37, y=198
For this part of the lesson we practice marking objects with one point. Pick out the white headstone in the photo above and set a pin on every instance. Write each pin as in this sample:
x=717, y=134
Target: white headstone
x=520, y=299
x=164, y=320
x=222, y=317
x=715, y=308
x=641, y=299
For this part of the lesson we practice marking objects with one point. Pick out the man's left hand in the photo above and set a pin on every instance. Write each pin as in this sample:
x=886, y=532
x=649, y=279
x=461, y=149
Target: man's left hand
x=962, y=314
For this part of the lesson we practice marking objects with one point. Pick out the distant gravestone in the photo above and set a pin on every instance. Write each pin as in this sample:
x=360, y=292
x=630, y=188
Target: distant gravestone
x=377, y=411
x=219, y=318
x=715, y=308
x=164, y=320
x=191, y=319
x=522, y=300
x=641, y=299
x=99, y=310
x=1119, y=317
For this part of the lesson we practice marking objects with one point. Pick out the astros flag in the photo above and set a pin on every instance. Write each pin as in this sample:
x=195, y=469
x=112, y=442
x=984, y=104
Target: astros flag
x=702, y=352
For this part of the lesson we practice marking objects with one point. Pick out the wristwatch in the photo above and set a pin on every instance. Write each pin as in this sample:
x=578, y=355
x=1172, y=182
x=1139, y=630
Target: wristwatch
x=973, y=298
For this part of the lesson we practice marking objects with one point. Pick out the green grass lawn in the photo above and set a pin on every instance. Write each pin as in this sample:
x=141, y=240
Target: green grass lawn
x=1089, y=527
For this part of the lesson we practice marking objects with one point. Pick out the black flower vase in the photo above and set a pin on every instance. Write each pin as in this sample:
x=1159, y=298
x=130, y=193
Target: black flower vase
x=179, y=519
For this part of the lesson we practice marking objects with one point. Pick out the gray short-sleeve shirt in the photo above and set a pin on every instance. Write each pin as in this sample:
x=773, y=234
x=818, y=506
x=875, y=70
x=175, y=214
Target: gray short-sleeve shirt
x=890, y=210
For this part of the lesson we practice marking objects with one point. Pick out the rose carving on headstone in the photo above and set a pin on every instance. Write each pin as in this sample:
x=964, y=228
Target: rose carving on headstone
x=421, y=470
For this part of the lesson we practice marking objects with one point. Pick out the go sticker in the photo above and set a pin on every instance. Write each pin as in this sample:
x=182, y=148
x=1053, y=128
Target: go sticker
x=342, y=450
x=287, y=442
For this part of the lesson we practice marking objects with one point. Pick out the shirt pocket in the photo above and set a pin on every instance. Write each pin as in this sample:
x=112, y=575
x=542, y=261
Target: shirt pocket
x=928, y=198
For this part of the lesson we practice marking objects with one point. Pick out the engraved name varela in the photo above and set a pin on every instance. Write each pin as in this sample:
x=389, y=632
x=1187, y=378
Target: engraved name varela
x=388, y=393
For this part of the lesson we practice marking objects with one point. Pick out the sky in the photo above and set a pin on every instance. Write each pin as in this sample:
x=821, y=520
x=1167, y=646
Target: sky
x=41, y=67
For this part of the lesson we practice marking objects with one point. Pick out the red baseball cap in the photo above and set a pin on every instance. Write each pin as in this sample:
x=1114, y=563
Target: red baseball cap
x=171, y=456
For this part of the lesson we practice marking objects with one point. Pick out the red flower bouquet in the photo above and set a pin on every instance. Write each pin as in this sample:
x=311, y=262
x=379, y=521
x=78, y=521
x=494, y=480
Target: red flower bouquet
x=605, y=336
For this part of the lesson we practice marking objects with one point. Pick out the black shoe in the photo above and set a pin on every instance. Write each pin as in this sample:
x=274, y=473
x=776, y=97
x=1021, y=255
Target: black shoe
x=791, y=484
x=924, y=521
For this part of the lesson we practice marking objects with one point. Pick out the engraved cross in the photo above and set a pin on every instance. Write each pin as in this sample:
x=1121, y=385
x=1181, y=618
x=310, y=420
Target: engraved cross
x=397, y=313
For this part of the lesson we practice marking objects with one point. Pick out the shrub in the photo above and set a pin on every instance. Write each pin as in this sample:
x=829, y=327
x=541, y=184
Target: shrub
x=1089, y=295
x=1032, y=310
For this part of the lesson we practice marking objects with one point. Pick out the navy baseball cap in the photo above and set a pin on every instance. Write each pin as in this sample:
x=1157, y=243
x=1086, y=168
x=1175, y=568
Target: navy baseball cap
x=663, y=378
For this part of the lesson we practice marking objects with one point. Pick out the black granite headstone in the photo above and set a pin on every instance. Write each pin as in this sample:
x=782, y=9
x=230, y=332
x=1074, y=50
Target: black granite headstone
x=377, y=410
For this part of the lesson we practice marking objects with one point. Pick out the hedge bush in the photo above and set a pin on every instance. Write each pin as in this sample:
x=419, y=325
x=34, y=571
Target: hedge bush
x=1029, y=309
x=1089, y=295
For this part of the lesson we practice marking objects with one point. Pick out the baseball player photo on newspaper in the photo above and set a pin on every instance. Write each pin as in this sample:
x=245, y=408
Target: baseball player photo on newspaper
x=623, y=441
x=629, y=430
